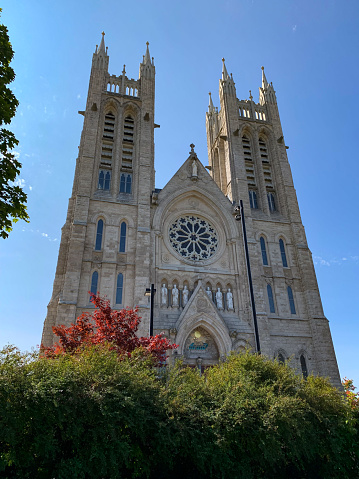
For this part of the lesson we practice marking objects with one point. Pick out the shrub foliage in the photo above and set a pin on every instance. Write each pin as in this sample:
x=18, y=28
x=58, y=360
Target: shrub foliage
x=99, y=415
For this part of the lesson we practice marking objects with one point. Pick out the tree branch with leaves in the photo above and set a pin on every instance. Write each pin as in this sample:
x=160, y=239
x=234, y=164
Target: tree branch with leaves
x=13, y=198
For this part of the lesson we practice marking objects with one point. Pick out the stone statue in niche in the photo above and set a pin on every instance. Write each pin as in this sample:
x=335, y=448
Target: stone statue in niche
x=219, y=299
x=175, y=292
x=229, y=299
x=164, y=292
x=194, y=169
x=185, y=293
x=209, y=292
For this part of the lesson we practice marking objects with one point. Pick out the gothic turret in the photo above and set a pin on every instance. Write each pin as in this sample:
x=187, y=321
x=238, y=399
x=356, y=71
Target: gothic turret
x=147, y=67
x=226, y=83
x=266, y=91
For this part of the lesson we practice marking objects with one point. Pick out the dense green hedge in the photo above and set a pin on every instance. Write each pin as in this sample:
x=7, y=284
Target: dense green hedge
x=93, y=416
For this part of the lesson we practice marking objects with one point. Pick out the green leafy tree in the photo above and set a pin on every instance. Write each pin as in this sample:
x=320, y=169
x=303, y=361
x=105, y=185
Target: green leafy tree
x=95, y=415
x=13, y=198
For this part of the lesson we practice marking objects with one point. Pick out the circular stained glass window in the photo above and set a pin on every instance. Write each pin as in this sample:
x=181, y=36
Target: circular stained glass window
x=193, y=238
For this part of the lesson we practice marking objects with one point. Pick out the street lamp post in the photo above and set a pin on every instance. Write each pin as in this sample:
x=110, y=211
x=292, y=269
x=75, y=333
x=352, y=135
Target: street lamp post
x=151, y=292
x=240, y=217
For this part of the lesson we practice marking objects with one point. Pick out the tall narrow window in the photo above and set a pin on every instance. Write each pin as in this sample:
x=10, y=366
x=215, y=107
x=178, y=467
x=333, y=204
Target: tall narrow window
x=248, y=160
x=104, y=180
x=128, y=142
x=271, y=202
x=263, y=150
x=270, y=298
x=303, y=365
x=126, y=183
x=107, y=181
x=94, y=282
x=123, y=229
x=99, y=234
x=119, y=289
x=282, y=253
x=281, y=358
x=129, y=184
x=291, y=300
x=264, y=251
x=253, y=199
x=101, y=180
x=104, y=177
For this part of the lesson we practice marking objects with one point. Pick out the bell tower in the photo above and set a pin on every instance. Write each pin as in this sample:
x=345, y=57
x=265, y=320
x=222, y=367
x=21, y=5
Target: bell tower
x=248, y=160
x=105, y=240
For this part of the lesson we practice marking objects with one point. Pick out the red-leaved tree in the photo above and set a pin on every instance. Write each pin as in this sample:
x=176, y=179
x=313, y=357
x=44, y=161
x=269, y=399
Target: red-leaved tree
x=117, y=329
x=351, y=395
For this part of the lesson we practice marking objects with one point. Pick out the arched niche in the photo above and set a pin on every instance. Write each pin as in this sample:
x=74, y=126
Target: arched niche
x=200, y=344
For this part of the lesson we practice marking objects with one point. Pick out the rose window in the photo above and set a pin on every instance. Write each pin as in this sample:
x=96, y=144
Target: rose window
x=193, y=238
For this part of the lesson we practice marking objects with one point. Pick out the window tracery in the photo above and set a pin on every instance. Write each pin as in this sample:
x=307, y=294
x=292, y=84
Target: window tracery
x=193, y=238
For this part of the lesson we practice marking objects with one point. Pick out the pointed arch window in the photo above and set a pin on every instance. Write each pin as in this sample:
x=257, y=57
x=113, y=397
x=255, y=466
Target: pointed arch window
x=119, y=288
x=128, y=142
x=248, y=160
x=263, y=149
x=123, y=232
x=270, y=298
x=94, y=282
x=104, y=180
x=264, y=251
x=108, y=139
x=99, y=235
x=303, y=365
x=126, y=183
x=282, y=253
x=271, y=202
x=104, y=176
x=291, y=300
x=281, y=358
x=253, y=199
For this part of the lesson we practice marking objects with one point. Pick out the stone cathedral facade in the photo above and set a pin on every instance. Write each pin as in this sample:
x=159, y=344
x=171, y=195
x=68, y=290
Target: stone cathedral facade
x=122, y=234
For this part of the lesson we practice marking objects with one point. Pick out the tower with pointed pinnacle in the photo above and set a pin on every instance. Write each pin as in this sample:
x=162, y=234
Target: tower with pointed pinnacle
x=248, y=160
x=110, y=201
x=122, y=235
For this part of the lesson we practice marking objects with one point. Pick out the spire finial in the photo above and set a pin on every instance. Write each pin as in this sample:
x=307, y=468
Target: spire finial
x=250, y=95
x=264, y=79
x=225, y=75
x=102, y=44
x=192, y=147
x=210, y=106
x=124, y=70
x=147, y=58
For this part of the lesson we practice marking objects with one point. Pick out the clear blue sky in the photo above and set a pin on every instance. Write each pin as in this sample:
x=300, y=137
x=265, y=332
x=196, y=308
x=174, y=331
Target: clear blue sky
x=310, y=53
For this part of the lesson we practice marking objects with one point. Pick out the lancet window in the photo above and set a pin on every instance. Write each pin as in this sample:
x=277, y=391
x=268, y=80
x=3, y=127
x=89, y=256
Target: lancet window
x=128, y=142
x=126, y=183
x=94, y=282
x=123, y=232
x=264, y=251
x=119, y=288
x=104, y=177
x=282, y=253
x=303, y=365
x=291, y=300
x=270, y=298
x=248, y=159
x=99, y=234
